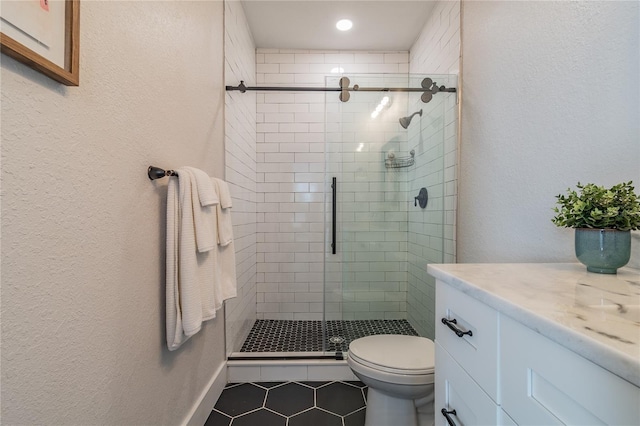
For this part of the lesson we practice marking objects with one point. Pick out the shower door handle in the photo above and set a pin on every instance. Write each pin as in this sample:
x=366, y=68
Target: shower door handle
x=334, y=188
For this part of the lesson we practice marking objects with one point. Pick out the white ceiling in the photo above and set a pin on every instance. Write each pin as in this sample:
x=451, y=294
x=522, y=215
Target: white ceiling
x=311, y=24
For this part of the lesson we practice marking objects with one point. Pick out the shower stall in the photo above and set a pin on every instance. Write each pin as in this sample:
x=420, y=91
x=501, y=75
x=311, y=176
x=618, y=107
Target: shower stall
x=349, y=253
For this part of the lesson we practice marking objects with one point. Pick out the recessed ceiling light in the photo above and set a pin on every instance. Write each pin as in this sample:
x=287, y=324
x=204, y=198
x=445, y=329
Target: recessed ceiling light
x=344, y=25
x=337, y=70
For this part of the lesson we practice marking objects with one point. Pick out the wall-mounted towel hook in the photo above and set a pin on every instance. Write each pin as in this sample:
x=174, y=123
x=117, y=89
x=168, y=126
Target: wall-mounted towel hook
x=157, y=173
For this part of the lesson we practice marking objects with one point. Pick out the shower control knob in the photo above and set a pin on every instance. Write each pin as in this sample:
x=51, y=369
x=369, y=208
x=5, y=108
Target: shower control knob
x=422, y=198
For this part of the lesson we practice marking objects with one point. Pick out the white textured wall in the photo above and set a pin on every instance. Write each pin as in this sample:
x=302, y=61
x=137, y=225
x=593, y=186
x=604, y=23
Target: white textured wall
x=432, y=235
x=83, y=338
x=551, y=97
x=240, y=148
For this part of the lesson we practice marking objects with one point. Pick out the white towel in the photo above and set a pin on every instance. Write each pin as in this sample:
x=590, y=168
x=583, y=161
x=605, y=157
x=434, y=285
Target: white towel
x=225, y=227
x=193, y=269
x=184, y=311
x=226, y=285
x=203, y=194
x=175, y=336
x=223, y=193
x=204, y=198
x=190, y=281
x=206, y=190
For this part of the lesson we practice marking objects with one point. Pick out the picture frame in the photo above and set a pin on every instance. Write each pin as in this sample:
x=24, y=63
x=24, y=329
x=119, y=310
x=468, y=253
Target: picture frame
x=44, y=35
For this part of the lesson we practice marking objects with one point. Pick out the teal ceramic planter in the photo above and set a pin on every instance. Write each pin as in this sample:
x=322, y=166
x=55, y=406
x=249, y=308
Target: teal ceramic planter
x=603, y=250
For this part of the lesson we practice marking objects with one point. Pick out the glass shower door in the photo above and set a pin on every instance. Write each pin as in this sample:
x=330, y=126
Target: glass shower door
x=383, y=241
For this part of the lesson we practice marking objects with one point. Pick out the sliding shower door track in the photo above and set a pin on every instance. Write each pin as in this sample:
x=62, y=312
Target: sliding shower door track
x=285, y=356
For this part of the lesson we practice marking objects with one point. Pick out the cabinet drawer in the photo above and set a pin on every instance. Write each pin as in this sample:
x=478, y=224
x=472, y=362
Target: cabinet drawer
x=478, y=352
x=544, y=383
x=455, y=390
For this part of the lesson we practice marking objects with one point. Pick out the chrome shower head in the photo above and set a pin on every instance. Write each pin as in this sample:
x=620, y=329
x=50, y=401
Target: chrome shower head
x=404, y=121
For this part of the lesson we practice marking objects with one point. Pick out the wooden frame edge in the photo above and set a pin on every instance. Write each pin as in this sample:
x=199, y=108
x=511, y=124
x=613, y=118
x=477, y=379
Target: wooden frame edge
x=70, y=75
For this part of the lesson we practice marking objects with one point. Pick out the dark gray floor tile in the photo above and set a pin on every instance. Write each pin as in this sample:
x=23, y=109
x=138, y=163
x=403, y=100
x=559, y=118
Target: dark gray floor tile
x=355, y=419
x=240, y=399
x=339, y=398
x=360, y=385
x=357, y=384
x=260, y=418
x=290, y=399
x=314, y=384
x=269, y=385
x=217, y=419
x=315, y=417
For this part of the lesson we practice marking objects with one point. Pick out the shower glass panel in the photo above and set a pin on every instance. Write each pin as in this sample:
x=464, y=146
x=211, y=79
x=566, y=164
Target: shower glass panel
x=384, y=238
x=382, y=148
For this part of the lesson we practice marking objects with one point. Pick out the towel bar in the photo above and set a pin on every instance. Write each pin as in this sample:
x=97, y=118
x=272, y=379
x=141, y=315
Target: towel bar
x=157, y=173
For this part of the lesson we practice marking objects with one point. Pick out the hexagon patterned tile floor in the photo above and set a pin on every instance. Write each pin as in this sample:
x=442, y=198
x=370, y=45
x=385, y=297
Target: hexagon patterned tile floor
x=307, y=336
x=290, y=404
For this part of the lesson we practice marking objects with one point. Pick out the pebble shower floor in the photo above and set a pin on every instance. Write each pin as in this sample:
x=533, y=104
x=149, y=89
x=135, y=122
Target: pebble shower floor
x=306, y=336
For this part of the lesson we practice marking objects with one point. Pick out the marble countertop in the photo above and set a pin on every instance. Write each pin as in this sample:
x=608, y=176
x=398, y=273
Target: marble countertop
x=594, y=315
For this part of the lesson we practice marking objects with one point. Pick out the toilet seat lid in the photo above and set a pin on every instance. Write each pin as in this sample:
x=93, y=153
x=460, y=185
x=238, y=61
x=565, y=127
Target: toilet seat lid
x=395, y=353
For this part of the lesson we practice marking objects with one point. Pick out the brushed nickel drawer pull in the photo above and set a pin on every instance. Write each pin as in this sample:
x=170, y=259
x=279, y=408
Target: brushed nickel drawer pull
x=459, y=333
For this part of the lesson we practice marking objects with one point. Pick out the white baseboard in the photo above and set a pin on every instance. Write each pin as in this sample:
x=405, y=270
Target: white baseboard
x=204, y=404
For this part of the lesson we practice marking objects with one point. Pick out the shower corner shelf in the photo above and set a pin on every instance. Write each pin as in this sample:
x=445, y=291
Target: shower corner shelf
x=396, y=163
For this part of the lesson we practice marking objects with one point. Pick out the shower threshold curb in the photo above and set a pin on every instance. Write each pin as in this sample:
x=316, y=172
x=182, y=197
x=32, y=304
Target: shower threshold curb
x=270, y=370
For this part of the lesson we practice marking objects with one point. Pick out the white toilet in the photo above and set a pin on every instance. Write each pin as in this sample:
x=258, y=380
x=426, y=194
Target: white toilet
x=399, y=371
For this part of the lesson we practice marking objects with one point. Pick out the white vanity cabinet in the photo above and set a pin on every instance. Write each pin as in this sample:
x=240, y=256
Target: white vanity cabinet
x=544, y=383
x=458, y=393
x=466, y=373
x=492, y=369
x=477, y=346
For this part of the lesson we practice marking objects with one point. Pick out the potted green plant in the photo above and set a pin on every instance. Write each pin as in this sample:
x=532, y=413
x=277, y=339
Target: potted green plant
x=603, y=220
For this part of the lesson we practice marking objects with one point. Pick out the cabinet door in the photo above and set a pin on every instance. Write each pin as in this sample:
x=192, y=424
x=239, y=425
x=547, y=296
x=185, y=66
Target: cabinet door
x=504, y=419
x=455, y=390
x=476, y=353
x=542, y=382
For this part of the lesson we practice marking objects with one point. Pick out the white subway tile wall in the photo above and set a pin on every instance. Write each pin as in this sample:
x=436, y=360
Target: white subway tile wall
x=240, y=171
x=291, y=189
x=437, y=52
